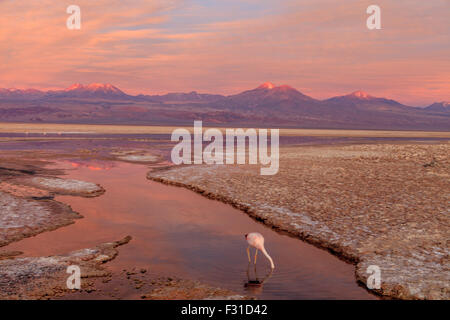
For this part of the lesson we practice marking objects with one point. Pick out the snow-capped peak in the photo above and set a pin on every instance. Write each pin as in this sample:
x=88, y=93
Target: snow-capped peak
x=93, y=87
x=360, y=94
x=267, y=85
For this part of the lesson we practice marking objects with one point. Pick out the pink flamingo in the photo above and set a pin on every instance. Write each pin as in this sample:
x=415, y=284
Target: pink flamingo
x=256, y=240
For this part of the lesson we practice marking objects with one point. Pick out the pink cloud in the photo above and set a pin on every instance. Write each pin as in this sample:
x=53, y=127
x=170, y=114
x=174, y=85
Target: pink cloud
x=322, y=47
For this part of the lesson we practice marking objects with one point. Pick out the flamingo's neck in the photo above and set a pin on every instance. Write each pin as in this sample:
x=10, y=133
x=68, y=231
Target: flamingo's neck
x=268, y=257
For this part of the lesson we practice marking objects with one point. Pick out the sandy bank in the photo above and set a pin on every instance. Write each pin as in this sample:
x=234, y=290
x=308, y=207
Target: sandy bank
x=21, y=218
x=45, y=277
x=63, y=186
x=136, y=156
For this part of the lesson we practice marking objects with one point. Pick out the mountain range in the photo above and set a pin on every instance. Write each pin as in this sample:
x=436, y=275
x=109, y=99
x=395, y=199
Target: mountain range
x=268, y=105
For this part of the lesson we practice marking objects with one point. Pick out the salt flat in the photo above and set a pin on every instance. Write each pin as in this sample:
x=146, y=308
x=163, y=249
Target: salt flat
x=128, y=129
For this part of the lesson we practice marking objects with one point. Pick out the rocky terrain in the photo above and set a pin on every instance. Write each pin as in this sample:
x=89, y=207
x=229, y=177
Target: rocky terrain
x=135, y=156
x=21, y=218
x=373, y=204
x=180, y=289
x=45, y=277
x=26, y=198
x=63, y=186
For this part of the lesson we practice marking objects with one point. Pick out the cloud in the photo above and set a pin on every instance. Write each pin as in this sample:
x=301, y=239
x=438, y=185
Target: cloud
x=36, y=45
x=321, y=47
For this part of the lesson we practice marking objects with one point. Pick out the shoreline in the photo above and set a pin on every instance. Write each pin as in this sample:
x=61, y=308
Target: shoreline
x=361, y=256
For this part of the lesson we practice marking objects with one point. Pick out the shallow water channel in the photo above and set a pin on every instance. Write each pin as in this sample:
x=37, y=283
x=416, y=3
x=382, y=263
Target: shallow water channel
x=180, y=233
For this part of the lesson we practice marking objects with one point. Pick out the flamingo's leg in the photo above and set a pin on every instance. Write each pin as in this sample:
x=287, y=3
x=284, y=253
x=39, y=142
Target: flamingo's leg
x=256, y=255
x=248, y=254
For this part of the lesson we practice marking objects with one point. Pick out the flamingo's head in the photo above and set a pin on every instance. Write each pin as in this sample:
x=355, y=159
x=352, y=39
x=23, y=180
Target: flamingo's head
x=246, y=236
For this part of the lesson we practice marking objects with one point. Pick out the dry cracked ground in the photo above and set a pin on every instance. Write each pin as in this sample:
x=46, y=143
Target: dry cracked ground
x=27, y=208
x=375, y=204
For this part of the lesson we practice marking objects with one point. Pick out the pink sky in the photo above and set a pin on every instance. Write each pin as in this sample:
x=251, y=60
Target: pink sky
x=321, y=47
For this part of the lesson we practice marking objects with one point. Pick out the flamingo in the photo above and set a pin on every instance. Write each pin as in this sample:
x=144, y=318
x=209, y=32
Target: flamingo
x=256, y=240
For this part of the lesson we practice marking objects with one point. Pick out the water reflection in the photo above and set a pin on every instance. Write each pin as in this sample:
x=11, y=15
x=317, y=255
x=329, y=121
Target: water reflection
x=92, y=165
x=255, y=285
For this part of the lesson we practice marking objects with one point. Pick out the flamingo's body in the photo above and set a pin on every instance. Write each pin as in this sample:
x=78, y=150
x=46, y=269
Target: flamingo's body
x=256, y=240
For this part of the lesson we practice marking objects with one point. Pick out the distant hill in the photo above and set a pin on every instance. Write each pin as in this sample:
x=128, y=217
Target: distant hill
x=91, y=91
x=193, y=96
x=17, y=94
x=265, y=105
x=363, y=101
x=79, y=91
x=443, y=107
x=268, y=96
